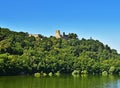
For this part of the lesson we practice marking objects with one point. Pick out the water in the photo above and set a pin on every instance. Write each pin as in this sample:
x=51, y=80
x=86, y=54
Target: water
x=60, y=82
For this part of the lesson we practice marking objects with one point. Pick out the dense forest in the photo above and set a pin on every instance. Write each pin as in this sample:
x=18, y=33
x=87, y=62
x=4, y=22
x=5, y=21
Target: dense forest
x=24, y=54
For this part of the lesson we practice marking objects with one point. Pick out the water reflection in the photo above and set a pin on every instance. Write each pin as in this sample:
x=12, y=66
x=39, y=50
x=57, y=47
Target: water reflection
x=60, y=82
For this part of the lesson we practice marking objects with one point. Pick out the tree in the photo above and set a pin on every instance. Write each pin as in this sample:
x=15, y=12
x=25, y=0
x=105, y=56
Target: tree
x=22, y=54
x=72, y=36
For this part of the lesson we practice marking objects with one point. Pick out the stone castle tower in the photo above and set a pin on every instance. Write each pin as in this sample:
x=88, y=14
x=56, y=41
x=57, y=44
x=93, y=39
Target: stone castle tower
x=57, y=34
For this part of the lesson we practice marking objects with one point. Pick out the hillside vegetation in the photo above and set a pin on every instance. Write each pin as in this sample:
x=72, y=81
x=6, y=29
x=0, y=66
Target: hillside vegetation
x=24, y=54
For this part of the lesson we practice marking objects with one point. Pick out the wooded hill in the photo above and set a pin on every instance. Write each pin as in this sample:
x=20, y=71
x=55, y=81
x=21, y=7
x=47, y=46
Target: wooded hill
x=24, y=54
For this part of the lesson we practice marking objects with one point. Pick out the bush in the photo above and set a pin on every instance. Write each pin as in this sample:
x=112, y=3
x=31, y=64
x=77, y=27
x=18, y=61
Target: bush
x=57, y=73
x=75, y=72
x=37, y=75
x=112, y=69
x=50, y=74
x=104, y=73
x=84, y=72
x=44, y=74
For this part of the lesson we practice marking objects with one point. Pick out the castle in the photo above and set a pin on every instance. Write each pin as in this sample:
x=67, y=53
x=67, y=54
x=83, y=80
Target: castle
x=58, y=35
x=34, y=35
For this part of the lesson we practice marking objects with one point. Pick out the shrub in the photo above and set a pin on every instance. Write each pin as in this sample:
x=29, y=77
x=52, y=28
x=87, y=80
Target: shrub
x=37, y=75
x=44, y=74
x=84, y=72
x=57, y=73
x=50, y=74
x=104, y=73
x=75, y=72
x=112, y=69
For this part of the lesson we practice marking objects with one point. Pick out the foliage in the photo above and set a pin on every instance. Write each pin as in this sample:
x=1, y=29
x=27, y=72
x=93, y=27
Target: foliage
x=104, y=73
x=37, y=75
x=50, y=74
x=75, y=72
x=57, y=73
x=112, y=69
x=44, y=74
x=84, y=72
x=24, y=54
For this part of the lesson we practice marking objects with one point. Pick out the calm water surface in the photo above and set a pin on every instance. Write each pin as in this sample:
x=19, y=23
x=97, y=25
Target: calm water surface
x=59, y=82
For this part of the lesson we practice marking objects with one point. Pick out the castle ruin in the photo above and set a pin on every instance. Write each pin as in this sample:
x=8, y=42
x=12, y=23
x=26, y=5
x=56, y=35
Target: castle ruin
x=58, y=35
x=34, y=35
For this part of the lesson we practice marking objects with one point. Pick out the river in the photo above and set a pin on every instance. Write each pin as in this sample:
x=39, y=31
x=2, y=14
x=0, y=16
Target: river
x=60, y=82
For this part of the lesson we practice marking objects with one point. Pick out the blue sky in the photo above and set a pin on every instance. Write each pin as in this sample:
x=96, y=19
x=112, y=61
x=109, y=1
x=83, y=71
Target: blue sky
x=99, y=19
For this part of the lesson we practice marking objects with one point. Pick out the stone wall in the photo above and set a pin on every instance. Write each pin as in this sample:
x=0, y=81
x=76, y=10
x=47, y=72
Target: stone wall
x=35, y=35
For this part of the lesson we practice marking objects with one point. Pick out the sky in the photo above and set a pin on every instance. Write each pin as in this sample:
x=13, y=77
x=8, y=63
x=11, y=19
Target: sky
x=99, y=19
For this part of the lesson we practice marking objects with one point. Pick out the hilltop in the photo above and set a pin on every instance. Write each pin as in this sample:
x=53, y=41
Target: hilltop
x=23, y=53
